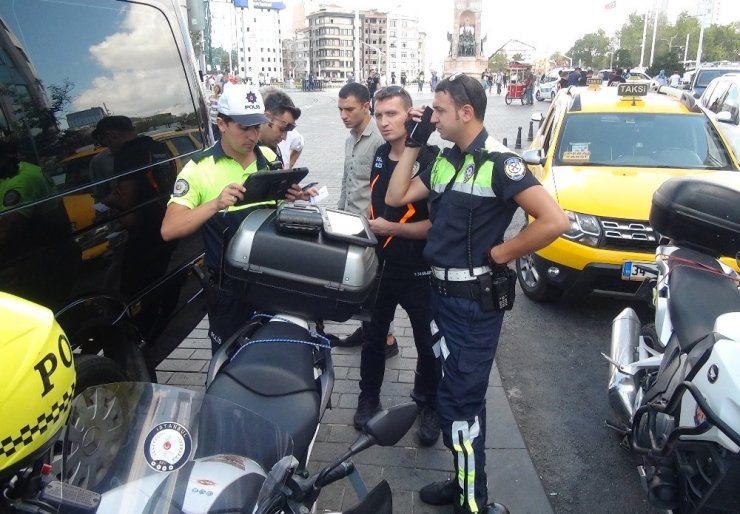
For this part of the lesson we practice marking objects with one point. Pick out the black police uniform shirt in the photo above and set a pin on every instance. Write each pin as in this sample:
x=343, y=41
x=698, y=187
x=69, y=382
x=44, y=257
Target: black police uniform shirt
x=403, y=253
x=492, y=208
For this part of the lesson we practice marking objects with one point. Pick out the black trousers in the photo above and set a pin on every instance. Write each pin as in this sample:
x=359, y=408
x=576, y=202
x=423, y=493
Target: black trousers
x=412, y=291
x=228, y=311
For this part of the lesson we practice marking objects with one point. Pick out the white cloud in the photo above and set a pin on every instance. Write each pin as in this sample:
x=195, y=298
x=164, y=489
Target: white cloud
x=143, y=75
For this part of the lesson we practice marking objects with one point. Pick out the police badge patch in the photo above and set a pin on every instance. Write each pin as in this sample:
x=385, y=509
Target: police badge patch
x=514, y=168
x=11, y=198
x=469, y=171
x=379, y=162
x=181, y=187
x=415, y=168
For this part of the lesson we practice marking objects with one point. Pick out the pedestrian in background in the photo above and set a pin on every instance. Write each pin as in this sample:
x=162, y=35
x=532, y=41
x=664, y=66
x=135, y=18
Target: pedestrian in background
x=213, y=110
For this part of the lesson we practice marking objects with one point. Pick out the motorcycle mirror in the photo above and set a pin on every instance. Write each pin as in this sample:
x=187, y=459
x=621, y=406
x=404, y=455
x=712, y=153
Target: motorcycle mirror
x=388, y=426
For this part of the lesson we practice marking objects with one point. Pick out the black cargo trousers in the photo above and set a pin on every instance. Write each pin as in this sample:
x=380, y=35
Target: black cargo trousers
x=412, y=291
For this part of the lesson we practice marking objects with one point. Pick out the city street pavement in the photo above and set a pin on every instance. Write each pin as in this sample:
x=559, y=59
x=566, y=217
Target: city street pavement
x=408, y=466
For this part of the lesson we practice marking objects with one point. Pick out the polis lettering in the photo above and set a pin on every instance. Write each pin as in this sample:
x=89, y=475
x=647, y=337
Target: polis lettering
x=48, y=364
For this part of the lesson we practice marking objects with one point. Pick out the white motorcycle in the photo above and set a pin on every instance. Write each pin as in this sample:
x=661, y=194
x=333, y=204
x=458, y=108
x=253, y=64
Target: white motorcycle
x=244, y=445
x=674, y=386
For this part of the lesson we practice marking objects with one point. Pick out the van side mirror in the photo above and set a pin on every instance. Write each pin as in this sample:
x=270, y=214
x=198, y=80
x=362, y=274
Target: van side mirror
x=724, y=117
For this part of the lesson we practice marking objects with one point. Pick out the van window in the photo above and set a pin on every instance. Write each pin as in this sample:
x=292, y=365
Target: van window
x=67, y=65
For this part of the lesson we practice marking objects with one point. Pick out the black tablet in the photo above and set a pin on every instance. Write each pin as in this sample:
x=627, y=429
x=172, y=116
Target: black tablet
x=263, y=186
x=346, y=226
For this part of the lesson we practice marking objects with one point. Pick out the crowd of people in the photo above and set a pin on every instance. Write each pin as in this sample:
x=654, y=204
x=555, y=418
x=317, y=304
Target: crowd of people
x=440, y=218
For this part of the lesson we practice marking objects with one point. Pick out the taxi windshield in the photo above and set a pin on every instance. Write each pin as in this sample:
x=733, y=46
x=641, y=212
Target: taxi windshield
x=641, y=140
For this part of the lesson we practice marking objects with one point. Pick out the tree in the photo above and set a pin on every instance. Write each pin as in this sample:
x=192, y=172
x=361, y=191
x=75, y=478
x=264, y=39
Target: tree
x=559, y=59
x=590, y=50
x=498, y=62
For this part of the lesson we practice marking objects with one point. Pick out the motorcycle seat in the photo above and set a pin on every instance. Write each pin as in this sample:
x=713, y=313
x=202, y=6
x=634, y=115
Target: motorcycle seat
x=698, y=297
x=276, y=380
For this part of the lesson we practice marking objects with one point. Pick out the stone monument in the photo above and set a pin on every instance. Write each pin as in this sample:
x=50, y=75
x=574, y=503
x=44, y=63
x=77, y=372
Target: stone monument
x=466, y=44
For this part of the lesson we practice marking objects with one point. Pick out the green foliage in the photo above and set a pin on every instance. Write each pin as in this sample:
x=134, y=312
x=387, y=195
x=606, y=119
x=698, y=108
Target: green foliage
x=498, y=62
x=590, y=50
x=559, y=60
x=721, y=42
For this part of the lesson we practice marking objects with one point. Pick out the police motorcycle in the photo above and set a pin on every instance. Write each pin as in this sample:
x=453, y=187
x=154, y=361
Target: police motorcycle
x=148, y=448
x=674, y=385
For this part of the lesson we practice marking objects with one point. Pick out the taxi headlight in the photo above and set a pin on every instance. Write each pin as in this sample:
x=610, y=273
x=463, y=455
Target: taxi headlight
x=584, y=229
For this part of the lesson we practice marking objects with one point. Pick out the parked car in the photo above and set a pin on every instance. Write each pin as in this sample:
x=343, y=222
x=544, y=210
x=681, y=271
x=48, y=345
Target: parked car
x=602, y=152
x=634, y=76
x=546, y=88
x=721, y=99
x=85, y=240
x=705, y=74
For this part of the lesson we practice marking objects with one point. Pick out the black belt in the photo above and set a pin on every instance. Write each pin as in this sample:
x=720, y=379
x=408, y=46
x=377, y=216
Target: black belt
x=469, y=289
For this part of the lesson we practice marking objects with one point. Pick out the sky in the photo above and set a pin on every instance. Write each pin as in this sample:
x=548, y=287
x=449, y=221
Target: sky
x=548, y=25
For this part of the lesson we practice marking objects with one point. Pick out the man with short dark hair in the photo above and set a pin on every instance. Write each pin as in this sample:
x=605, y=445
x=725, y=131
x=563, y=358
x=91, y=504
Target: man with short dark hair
x=359, y=149
x=404, y=274
x=473, y=189
x=282, y=115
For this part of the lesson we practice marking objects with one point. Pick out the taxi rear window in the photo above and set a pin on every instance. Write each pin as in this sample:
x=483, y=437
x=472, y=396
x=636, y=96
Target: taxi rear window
x=641, y=140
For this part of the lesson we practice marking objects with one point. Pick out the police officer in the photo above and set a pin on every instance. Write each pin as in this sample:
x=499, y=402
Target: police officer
x=208, y=188
x=404, y=275
x=473, y=188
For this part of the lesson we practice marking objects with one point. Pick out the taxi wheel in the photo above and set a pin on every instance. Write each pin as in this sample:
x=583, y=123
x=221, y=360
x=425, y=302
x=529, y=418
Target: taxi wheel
x=532, y=281
x=507, y=99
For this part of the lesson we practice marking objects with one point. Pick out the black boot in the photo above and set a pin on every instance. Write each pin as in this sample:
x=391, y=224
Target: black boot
x=491, y=508
x=429, y=429
x=354, y=339
x=440, y=493
x=366, y=409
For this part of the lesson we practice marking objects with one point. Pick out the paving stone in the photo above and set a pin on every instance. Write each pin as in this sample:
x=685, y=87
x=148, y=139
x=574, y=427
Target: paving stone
x=202, y=354
x=182, y=353
x=181, y=365
x=187, y=379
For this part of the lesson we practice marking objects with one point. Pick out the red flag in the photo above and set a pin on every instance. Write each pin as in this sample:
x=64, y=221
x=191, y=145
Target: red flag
x=611, y=5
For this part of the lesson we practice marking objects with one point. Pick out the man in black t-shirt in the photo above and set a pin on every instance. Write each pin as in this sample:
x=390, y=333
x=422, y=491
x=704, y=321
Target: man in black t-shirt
x=404, y=273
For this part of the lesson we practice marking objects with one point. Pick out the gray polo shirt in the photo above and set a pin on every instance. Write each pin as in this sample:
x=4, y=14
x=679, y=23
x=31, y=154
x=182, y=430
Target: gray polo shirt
x=358, y=157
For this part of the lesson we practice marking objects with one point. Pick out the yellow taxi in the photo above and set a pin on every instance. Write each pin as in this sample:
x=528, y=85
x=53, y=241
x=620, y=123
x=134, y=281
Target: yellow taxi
x=602, y=152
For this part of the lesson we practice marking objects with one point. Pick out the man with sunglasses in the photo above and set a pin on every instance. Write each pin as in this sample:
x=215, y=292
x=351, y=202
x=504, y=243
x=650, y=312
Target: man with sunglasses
x=404, y=275
x=206, y=192
x=281, y=114
x=473, y=189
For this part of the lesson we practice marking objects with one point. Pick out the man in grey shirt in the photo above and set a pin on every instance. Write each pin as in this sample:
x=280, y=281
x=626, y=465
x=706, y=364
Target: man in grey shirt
x=364, y=138
x=359, y=149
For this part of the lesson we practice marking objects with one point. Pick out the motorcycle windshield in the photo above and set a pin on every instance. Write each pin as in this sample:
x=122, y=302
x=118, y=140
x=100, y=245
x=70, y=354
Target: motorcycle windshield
x=149, y=448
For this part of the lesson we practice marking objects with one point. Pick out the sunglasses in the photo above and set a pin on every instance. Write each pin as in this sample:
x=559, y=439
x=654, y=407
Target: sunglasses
x=283, y=126
x=454, y=77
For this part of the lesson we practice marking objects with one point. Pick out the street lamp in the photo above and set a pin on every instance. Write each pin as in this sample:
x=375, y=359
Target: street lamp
x=611, y=59
x=382, y=53
x=570, y=61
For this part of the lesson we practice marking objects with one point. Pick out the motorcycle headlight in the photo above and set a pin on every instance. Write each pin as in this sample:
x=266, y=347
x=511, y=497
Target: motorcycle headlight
x=584, y=229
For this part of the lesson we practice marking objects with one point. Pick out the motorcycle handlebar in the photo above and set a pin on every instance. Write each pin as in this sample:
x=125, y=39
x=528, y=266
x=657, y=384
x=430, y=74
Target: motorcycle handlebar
x=341, y=471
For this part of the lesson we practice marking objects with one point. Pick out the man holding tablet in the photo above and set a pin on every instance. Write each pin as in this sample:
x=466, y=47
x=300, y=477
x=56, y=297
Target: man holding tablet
x=206, y=192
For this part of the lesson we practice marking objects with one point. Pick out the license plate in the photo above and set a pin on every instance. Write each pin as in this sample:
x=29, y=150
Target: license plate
x=638, y=271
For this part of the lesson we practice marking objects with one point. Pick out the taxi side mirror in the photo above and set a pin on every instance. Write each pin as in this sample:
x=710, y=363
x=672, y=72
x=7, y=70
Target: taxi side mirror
x=535, y=156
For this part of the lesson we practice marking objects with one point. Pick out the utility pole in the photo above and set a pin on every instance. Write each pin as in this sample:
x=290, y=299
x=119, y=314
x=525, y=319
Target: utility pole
x=644, y=34
x=686, y=50
x=655, y=31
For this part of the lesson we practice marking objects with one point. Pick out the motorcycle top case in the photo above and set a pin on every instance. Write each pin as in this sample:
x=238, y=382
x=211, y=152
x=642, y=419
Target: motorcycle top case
x=700, y=211
x=306, y=275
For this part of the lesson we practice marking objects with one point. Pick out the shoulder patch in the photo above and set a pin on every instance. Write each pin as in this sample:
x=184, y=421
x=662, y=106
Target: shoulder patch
x=378, y=162
x=415, y=168
x=11, y=198
x=181, y=187
x=469, y=172
x=514, y=168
